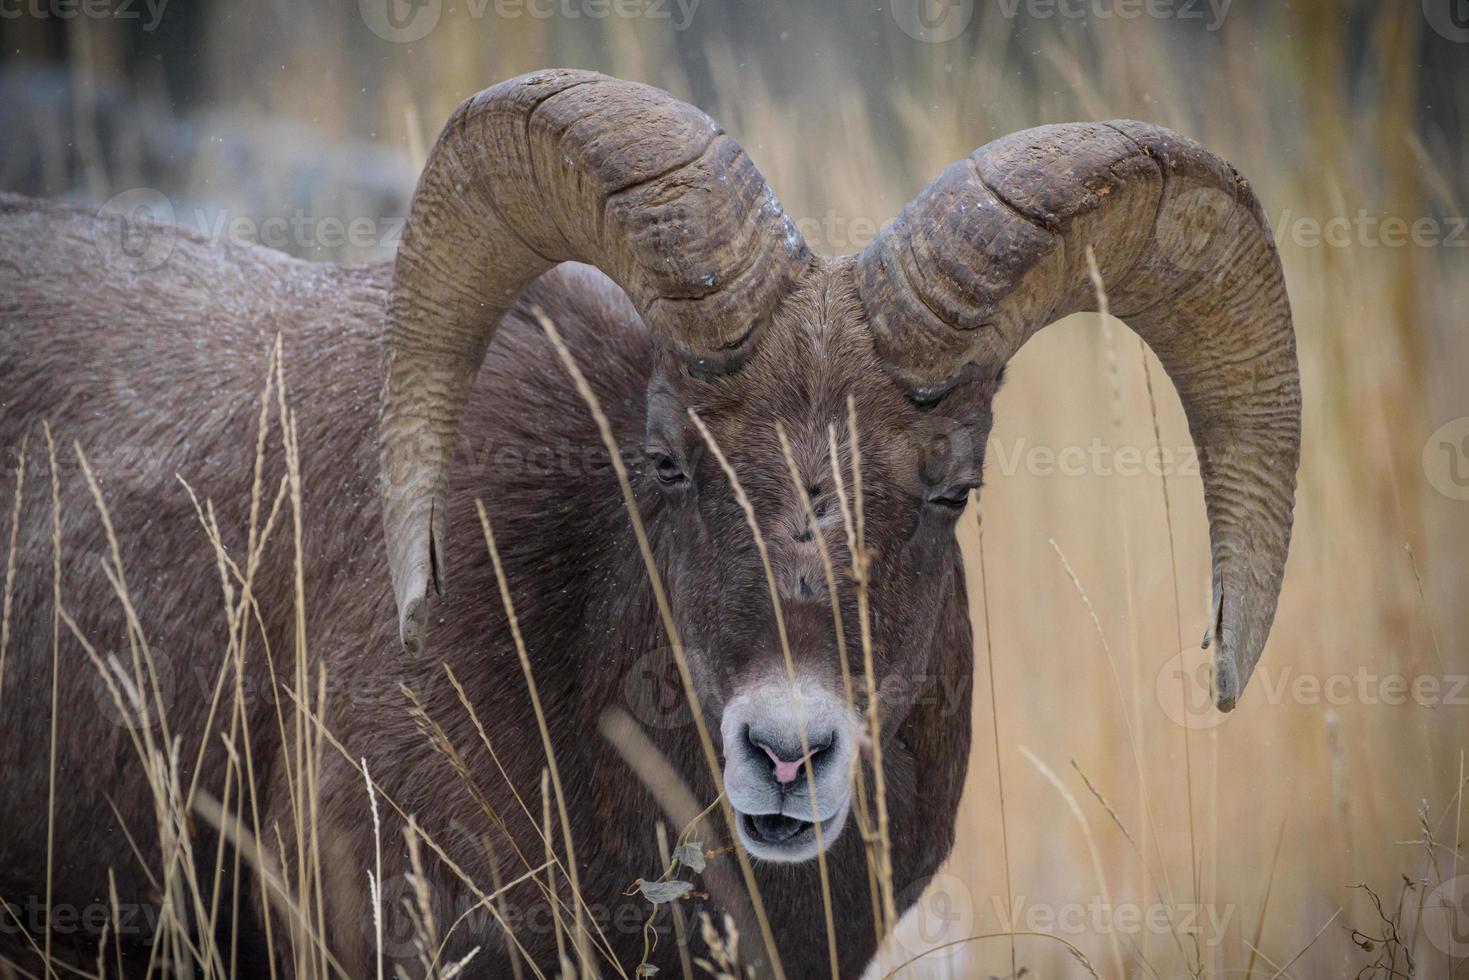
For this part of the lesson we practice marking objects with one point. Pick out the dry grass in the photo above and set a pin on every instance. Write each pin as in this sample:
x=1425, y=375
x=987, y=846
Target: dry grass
x=1246, y=837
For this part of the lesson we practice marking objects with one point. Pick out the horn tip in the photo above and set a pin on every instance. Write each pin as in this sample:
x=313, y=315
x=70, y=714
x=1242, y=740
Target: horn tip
x=1229, y=679
x=410, y=626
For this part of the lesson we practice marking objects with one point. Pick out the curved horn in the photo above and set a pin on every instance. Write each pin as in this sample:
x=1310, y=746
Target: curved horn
x=994, y=249
x=551, y=167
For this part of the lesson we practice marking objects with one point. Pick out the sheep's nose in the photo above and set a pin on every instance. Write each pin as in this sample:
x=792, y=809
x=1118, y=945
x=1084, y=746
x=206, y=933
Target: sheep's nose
x=788, y=757
x=771, y=771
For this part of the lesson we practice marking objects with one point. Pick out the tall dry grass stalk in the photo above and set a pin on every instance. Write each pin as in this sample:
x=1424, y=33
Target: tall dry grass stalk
x=785, y=647
x=9, y=594
x=553, y=771
x=55, y=682
x=665, y=613
x=863, y=814
x=1091, y=845
x=989, y=663
x=854, y=519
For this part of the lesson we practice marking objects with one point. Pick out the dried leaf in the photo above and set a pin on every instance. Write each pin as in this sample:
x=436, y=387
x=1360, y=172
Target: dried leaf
x=690, y=854
x=662, y=892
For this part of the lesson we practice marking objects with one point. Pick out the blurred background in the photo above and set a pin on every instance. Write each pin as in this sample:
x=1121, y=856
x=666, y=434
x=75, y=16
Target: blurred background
x=1159, y=838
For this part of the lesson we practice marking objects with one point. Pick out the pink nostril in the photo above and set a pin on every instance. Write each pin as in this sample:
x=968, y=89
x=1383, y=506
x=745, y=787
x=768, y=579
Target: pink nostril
x=785, y=772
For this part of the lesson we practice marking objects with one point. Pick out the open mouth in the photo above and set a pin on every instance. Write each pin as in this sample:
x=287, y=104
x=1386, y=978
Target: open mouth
x=778, y=837
x=775, y=829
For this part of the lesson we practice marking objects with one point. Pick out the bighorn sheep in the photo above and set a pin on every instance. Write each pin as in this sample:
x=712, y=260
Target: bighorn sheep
x=410, y=404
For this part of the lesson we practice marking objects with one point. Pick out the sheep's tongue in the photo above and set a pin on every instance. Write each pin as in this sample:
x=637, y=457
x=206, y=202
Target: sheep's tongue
x=775, y=828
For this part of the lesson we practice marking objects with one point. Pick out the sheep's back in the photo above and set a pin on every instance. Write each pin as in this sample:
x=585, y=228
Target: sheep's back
x=151, y=365
x=156, y=373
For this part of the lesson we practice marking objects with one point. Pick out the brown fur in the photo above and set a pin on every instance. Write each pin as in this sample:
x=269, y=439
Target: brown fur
x=158, y=373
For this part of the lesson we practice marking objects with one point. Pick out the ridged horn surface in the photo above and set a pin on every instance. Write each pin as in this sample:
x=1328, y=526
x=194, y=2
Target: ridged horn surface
x=551, y=167
x=995, y=249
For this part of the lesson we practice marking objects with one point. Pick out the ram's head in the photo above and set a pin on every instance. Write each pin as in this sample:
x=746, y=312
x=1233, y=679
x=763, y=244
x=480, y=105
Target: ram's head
x=767, y=346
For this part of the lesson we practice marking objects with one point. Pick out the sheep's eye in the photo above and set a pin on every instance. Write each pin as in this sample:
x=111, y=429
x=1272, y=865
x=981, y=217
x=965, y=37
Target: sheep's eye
x=668, y=472
x=955, y=499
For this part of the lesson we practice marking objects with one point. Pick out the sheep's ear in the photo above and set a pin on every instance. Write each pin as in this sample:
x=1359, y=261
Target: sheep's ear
x=551, y=167
x=998, y=246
